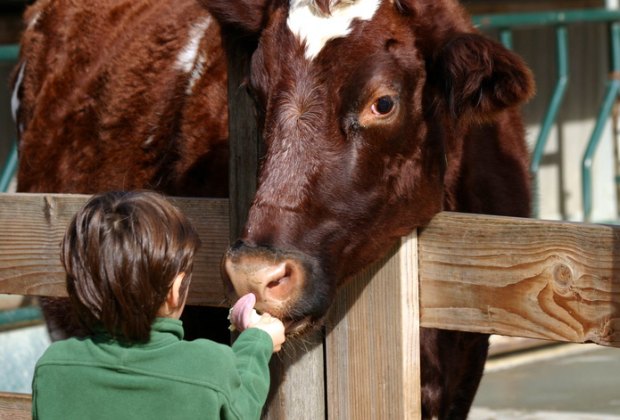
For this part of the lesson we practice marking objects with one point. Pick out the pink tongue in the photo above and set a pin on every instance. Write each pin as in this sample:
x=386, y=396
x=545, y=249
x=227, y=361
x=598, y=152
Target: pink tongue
x=242, y=311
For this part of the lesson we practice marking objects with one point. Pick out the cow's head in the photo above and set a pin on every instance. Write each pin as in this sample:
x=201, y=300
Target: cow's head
x=358, y=102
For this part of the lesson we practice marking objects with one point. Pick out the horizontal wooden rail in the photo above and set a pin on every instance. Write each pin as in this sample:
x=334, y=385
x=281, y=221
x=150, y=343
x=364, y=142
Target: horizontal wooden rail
x=509, y=276
x=521, y=277
x=15, y=406
x=32, y=226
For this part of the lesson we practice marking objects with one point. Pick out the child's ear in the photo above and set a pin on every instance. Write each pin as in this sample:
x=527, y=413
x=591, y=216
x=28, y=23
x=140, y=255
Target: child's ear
x=174, y=302
x=173, y=299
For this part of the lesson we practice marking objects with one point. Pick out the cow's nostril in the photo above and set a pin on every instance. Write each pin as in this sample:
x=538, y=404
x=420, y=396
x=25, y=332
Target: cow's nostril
x=285, y=285
x=274, y=283
x=284, y=278
x=238, y=244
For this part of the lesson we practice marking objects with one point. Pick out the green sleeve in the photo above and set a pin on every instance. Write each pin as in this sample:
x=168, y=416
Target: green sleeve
x=252, y=350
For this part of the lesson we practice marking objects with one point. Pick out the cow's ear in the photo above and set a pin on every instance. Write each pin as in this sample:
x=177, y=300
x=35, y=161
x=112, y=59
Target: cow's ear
x=479, y=77
x=247, y=15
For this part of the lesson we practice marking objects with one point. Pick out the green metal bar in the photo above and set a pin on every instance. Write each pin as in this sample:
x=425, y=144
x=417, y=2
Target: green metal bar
x=19, y=316
x=613, y=87
x=508, y=20
x=505, y=36
x=9, y=169
x=556, y=99
x=550, y=117
x=9, y=52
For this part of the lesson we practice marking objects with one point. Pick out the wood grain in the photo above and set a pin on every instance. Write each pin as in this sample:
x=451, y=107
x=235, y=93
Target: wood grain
x=297, y=373
x=518, y=277
x=15, y=406
x=244, y=140
x=372, y=345
x=32, y=227
x=521, y=277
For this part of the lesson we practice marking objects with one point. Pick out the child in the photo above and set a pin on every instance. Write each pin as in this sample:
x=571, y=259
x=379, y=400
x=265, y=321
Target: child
x=129, y=258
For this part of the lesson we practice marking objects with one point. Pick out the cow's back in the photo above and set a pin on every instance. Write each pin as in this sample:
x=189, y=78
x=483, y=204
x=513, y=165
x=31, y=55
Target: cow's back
x=122, y=94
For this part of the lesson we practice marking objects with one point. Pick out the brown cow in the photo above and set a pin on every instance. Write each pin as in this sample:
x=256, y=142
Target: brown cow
x=376, y=115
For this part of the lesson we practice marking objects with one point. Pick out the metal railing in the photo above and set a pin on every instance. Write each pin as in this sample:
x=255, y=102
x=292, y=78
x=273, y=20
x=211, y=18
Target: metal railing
x=8, y=53
x=507, y=23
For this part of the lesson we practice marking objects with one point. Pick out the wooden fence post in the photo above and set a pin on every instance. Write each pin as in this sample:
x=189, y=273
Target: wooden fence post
x=372, y=346
x=244, y=139
x=295, y=368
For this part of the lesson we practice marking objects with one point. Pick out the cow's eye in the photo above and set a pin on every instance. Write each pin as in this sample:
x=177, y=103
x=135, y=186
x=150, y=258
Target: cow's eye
x=383, y=106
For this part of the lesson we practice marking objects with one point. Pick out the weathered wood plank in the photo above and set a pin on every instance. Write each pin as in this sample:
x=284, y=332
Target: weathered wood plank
x=292, y=370
x=243, y=136
x=299, y=372
x=15, y=406
x=32, y=227
x=521, y=277
x=372, y=345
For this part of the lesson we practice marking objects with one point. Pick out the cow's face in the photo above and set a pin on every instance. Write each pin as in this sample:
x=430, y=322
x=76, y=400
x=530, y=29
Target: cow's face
x=356, y=109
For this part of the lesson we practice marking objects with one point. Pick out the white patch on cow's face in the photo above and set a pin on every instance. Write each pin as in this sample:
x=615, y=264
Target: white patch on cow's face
x=316, y=29
x=187, y=57
x=15, y=102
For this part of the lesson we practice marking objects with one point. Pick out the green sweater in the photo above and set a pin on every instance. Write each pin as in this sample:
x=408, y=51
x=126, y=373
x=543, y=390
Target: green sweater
x=166, y=378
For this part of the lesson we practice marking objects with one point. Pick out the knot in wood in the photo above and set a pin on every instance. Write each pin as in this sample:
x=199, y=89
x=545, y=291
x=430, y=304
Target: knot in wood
x=562, y=278
x=608, y=333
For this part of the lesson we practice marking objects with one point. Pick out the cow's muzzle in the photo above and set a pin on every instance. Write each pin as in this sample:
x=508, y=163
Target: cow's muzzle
x=276, y=278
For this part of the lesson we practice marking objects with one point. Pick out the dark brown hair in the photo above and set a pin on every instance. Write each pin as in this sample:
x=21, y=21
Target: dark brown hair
x=121, y=252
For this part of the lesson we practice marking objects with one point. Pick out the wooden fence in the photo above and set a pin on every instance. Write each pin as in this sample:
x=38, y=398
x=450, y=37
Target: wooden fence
x=519, y=277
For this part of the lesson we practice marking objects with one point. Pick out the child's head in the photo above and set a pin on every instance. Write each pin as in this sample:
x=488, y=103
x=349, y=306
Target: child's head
x=122, y=251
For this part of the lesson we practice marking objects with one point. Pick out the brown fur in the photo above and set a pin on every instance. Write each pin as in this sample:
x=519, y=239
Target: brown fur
x=103, y=107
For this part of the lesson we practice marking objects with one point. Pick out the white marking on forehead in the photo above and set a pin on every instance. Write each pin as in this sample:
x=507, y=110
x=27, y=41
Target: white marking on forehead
x=316, y=29
x=187, y=57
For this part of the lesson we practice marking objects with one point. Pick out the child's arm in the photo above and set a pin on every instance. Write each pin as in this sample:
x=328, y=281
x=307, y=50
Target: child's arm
x=260, y=336
x=253, y=350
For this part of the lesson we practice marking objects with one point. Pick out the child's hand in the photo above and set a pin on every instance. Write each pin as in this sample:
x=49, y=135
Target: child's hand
x=242, y=316
x=272, y=326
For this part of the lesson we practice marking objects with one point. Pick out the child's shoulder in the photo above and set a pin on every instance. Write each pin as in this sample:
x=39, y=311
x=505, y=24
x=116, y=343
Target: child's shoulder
x=62, y=350
x=199, y=359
